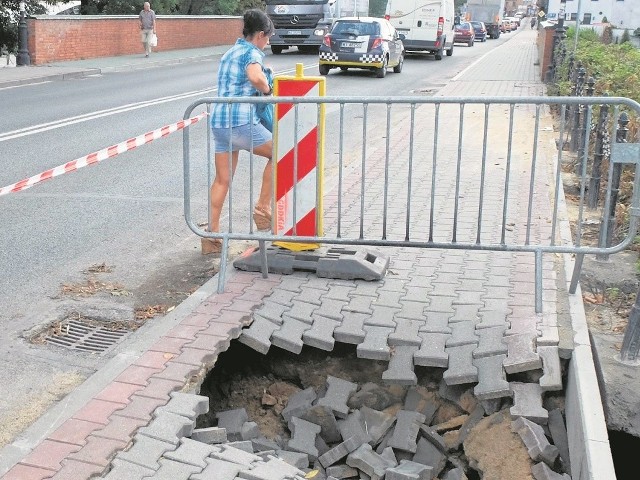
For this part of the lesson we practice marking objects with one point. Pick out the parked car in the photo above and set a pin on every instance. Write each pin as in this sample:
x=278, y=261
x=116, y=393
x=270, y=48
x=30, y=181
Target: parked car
x=479, y=30
x=513, y=22
x=505, y=25
x=364, y=42
x=464, y=33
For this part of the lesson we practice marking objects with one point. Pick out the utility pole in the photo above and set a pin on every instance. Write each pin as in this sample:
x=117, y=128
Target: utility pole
x=578, y=14
x=23, y=50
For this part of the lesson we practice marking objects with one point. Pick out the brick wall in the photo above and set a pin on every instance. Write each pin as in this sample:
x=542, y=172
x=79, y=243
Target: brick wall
x=60, y=38
x=545, y=49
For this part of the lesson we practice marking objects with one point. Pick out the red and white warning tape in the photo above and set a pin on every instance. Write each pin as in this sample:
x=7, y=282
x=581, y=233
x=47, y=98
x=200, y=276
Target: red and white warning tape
x=100, y=155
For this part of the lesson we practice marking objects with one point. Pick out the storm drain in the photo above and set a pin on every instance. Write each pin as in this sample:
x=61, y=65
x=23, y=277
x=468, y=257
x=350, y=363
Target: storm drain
x=83, y=335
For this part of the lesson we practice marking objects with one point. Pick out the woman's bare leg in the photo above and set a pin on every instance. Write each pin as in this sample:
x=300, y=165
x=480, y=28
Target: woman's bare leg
x=220, y=186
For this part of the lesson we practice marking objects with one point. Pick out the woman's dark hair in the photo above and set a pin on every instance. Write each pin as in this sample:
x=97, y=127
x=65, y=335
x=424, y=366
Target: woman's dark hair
x=256, y=21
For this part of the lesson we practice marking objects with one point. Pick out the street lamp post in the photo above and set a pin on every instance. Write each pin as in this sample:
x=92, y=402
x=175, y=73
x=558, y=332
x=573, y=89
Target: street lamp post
x=23, y=50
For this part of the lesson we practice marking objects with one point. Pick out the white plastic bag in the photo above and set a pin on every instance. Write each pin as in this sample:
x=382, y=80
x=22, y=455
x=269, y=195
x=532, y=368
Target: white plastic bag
x=154, y=40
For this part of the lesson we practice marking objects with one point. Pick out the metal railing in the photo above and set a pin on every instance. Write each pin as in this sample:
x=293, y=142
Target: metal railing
x=473, y=173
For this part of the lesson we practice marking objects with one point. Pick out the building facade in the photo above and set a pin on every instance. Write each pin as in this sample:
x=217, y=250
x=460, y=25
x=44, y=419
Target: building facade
x=620, y=13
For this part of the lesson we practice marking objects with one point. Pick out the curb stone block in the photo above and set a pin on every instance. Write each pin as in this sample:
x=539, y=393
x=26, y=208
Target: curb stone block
x=535, y=440
x=354, y=424
x=258, y=335
x=419, y=399
x=552, y=378
x=541, y=471
x=377, y=423
x=303, y=437
x=170, y=470
x=210, y=435
x=232, y=421
x=338, y=392
x=217, y=469
x=168, y=427
x=320, y=335
x=400, y=371
x=191, y=452
x=406, y=430
x=369, y=462
x=289, y=336
x=342, y=450
x=492, y=380
x=559, y=436
x=323, y=416
x=299, y=403
x=374, y=346
x=408, y=470
x=432, y=350
x=124, y=469
x=427, y=454
x=146, y=452
x=461, y=368
x=527, y=402
x=185, y=404
x=521, y=356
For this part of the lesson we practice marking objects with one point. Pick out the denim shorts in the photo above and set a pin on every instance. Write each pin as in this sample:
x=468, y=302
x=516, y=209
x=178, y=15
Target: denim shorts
x=240, y=137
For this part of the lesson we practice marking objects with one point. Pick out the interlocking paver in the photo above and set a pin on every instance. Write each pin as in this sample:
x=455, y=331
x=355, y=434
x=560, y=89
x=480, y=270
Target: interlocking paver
x=490, y=342
x=465, y=313
x=388, y=298
x=219, y=470
x=441, y=304
x=406, y=430
x=541, y=471
x=374, y=345
x=490, y=319
x=549, y=336
x=185, y=404
x=428, y=454
x=558, y=432
x=406, y=333
x=534, y=438
x=369, y=462
x=408, y=470
x=299, y=403
x=521, y=355
x=436, y=322
x=191, y=452
x=359, y=304
x=552, y=378
x=492, y=380
x=146, y=452
x=342, y=450
x=301, y=311
x=323, y=416
x=400, y=371
x=289, y=335
x=320, y=335
x=170, y=470
x=271, y=311
x=523, y=326
x=382, y=317
x=258, y=335
x=462, y=333
x=235, y=455
x=353, y=425
x=303, y=437
x=338, y=392
x=527, y=402
x=351, y=329
x=98, y=451
x=461, y=368
x=123, y=469
x=232, y=421
x=331, y=308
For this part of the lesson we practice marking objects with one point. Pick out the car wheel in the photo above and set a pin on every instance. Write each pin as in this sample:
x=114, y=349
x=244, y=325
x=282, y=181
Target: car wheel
x=276, y=49
x=344, y=69
x=398, y=67
x=450, y=51
x=439, y=55
x=470, y=43
x=308, y=49
x=382, y=71
x=324, y=69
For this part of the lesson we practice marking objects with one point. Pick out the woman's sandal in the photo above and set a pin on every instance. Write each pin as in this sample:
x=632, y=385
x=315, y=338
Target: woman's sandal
x=262, y=218
x=211, y=245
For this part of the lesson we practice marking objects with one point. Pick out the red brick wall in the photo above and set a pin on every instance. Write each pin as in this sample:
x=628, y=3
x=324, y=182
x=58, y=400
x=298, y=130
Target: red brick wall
x=54, y=38
x=545, y=49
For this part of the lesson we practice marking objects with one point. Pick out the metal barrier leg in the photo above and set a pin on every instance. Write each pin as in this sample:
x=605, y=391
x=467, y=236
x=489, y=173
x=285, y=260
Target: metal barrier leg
x=631, y=341
x=223, y=264
x=575, y=276
x=538, y=281
x=262, y=244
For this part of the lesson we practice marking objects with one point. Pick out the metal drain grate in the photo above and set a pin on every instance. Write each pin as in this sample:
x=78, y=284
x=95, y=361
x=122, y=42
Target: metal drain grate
x=78, y=335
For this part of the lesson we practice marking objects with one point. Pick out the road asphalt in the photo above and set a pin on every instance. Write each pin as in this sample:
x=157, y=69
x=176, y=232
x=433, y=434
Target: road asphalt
x=79, y=437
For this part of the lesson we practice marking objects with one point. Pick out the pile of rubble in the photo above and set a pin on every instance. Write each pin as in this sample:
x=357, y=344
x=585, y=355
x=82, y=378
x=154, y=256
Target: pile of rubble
x=369, y=432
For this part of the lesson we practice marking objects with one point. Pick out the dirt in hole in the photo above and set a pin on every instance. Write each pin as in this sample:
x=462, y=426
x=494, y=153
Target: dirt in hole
x=262, y=385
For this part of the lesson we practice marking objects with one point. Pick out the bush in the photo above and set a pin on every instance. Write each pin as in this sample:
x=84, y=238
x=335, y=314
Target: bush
x=625, y=36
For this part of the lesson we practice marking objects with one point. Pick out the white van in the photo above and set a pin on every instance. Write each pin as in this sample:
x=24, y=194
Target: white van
x=426, y=24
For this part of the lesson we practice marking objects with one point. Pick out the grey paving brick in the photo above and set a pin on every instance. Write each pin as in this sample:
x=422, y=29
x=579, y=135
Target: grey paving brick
x=232, y=421
x=388, y=298
x=392, y=284
x=523, y=326
x=359, y=304
x=382, y=317
x=490, y=342
x=432, y=435
x=496, y=305
x=258, y=335
x=420, y=399
x=353, y=425
x=521, y=356
x=377, y=423
x=185, y=404
x=436, y=322
x=217, y=469
x=342, y=471
x=541, y=471
x=427, y=454
x=552, y=378
x=369, y=462
x=282, y=297
x=331, y=308
x=235, y=455
x=406, y=430
x=125, y=470
x=490, y=319
x=389, y=455
x=416, y=293
x=351, y=329
x=301, y=311
x=310, y=296
x=432, y=350
x=168, y=427
x=271, y=311
x=297, y=459
x=400, y=371
x=492, y=380
x=549, y=336
x=463, y=333
x=273, y=469
x=323, y=416
x=210, y=435
x=249, y=430
x=446, y=289
x=406, y=333
x=171, y=470
x=191, y=452
x=461, y=368
x=299, y=403
x=262, y=444
x=289, y=336
x=465, y=313
x=375, y=396
x=527, y=402
x=441, y=304
x=244, y=445
x=366, y=288
x=465, y=297
x=293, y=283
x=146, y=451
x=374, y=346
x=412, y=310
x=408, y=470
x=320, y=335
x=303, y=437
x=342, y=450
x=533, y=437
x=559, y=436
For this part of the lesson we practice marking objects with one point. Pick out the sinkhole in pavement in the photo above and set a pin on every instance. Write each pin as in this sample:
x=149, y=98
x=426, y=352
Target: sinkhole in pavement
x=624, y=448
x=302, y=408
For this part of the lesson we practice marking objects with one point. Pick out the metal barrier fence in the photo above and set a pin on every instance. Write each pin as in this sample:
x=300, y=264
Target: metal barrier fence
x=473, y=173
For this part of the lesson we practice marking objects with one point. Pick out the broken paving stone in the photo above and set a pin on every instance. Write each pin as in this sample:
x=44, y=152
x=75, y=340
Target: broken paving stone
x=304, y=437
x=323, y=416
x=299, y=403
x=376, y=396
x=408, y=470
x=406, y=430
x=421, y=400
x=338, y=392
x=342, y=471
x=232, y=421
x=534, y=438
x=369, y=462
x=428, y=454
x=377, y=424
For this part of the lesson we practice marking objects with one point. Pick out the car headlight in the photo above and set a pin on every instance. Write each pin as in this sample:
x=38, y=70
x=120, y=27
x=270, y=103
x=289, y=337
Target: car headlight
x=320, y=32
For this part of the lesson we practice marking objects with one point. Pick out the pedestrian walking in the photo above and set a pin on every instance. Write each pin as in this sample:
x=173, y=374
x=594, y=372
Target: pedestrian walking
x=533, y=22
x=236, y=126
x=147, y=19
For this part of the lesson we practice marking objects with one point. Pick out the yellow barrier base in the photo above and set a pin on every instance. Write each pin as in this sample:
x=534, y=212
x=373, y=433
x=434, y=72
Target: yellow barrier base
x=297, y=247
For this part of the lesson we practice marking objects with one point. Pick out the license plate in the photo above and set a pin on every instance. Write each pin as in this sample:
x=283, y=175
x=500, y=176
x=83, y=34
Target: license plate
x=349, y=45
x=294, y=32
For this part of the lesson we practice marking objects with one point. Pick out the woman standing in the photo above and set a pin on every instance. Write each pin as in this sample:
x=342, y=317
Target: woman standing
x=235, y=126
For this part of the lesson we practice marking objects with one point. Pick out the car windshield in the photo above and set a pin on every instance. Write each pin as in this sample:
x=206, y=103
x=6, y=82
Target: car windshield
x=356, y=28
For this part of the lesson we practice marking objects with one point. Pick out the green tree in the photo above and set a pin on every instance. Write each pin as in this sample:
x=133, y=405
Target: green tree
x=626, y=37
x=10, y=15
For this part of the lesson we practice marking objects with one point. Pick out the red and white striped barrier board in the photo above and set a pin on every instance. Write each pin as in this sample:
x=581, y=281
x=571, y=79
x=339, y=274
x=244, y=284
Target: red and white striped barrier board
x=100, y=155
x=309, y=143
